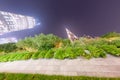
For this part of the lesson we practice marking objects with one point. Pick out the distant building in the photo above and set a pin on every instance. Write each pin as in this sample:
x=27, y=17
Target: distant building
x=14, y=22
x=70, y=35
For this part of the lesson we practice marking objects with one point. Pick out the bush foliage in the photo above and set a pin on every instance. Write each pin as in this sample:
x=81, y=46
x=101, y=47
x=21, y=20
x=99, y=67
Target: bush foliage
x=8, y=47
x=111, y=34
x=39, y=42
x=51, y=46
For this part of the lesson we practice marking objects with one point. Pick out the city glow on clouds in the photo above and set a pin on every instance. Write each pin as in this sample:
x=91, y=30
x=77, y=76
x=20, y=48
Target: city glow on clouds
x=8, y=40
x=14, y=22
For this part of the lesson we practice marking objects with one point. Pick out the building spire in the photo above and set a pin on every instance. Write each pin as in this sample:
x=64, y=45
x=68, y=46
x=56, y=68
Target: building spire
x=72, y=37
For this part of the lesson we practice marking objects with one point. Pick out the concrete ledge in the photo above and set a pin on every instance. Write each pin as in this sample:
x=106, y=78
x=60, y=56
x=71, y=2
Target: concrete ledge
x=101, y=67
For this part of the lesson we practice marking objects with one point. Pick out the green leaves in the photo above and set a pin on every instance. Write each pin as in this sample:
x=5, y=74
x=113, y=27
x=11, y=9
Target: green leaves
x=111, y=34
x=49, y=54
x=96, y=52
x=39, y=42
x=8, y=47
x=111, y=49
x=116, y=43
x=59, y=53
x=51, y=46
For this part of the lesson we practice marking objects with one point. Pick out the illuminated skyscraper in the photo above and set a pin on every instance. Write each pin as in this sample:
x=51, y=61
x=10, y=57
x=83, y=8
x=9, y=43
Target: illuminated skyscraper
x=14, y=22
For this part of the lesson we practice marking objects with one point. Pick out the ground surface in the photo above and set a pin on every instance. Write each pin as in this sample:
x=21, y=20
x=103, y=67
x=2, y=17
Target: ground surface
x=105, y=67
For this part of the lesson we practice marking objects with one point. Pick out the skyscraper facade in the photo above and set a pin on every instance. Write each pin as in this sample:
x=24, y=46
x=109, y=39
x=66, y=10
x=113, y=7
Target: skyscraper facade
x=14, y=22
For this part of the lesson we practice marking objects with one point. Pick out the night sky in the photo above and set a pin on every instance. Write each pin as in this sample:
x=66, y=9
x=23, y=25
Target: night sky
x=90, y=17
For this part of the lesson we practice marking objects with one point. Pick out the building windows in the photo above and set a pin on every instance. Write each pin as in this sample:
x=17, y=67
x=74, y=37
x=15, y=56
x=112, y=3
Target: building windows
x=15, y=22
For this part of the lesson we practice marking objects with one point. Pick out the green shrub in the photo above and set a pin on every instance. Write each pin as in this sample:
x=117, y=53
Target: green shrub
x=69, y=53
x=79, y=43
x=111, y=49
x=111, y=34
x=4, y=58
x=35, y=55
x=96, y=52
x=116, y=43
x=51, y=46
x=59, y=53
x=12, y=57
x=40, y=42
x=15, y=56
x=19, y=56
x=63, y=53
x=66, y=43
x=79, y=51
x=97, y=42
x=42, y=54
x=8, y=47
x=27, y=56
x=49, y=54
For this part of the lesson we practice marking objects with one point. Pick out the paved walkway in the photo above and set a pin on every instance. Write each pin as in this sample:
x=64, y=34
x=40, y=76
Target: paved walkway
x=107, y=67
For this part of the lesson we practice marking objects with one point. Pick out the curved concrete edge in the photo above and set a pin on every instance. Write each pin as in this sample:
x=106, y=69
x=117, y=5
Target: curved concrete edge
x=100, y=67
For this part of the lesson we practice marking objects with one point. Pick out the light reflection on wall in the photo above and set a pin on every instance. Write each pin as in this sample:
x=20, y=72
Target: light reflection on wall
x=14, y=22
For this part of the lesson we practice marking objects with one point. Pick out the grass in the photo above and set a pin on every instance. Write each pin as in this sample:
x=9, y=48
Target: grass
x=20, y=76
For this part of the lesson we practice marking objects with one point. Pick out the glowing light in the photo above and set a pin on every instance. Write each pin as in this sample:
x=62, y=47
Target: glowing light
x=38, y=24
